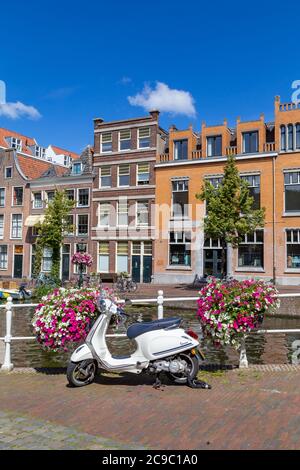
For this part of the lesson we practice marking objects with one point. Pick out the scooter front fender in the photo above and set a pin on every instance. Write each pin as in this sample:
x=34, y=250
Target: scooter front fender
x=82, y=353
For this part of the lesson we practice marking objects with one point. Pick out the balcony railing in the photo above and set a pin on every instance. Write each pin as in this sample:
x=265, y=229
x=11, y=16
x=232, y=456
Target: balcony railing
x=164, y=157
x=269, y=147
x=196, y=154
x=231, y=150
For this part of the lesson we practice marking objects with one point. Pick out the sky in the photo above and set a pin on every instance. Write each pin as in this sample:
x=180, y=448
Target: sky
x=65, y=63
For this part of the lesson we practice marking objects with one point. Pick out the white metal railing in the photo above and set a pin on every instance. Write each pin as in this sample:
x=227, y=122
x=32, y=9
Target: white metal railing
x=159, y=301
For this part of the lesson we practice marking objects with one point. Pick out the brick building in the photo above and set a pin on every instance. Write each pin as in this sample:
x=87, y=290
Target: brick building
x=268, y=156
x=123, y=194
x=27, y=183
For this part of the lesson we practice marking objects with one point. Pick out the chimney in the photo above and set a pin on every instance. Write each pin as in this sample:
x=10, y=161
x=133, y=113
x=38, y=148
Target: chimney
x=154, y=114
x=98, y=122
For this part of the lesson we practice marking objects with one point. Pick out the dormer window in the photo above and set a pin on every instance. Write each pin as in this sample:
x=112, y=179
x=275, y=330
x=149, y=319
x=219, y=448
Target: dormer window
x=39, y=152
x=76, y=168
x=214, y=146
x=15, y=143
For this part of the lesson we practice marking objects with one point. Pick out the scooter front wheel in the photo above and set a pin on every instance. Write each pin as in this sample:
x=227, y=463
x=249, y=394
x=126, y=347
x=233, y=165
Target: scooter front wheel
x=81, y=373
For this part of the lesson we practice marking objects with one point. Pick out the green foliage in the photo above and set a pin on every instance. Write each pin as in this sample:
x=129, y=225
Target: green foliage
x=41, y=291
x=52, y=230
x=230, y=215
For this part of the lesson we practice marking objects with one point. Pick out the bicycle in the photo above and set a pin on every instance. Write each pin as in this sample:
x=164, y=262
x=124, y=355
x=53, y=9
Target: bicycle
x=125, y=284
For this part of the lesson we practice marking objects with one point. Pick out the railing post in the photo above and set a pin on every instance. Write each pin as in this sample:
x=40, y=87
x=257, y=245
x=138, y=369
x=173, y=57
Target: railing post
x=7, y=364
x=243, y=354
x=160, y=305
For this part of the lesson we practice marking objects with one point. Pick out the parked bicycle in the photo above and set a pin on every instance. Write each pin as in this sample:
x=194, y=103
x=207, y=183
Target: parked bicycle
x=125, y=283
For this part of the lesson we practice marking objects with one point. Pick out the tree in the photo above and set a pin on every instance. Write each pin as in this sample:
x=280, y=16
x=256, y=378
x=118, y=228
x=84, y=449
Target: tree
x=229, y=209
x=52, y=230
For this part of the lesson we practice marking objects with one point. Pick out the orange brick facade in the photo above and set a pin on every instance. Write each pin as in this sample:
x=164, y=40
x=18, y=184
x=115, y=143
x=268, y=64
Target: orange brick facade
x=277, y=153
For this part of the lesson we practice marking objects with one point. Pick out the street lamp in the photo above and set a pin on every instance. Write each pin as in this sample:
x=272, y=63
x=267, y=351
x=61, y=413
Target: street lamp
x=81, y=249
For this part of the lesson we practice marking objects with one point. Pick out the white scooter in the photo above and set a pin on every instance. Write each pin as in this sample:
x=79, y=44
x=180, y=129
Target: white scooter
x=162, y=346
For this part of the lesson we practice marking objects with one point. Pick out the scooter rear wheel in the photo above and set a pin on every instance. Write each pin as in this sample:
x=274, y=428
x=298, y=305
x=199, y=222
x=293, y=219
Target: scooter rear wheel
x=81, y=373
x=192, y=369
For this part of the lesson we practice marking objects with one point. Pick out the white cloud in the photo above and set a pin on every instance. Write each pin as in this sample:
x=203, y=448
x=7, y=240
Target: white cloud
x=164, y=99
x=17, y=110
x=125, y=80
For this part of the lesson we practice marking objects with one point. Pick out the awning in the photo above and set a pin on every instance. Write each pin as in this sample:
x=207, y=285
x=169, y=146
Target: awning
x=32, y=220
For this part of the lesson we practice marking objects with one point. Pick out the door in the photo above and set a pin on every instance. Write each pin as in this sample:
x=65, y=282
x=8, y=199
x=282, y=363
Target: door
x=147, y=268
x=136, y=268
x=18, y=262
x=213, y=262
x=65, y=263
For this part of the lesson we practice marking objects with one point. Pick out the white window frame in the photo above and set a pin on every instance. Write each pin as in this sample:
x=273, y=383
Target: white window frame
x=12, y=197
x=117, y=254
x=120, y=140
x=136, y=214
x=11, y=227
x=5, y=170
x=77, y=197
x=2, y=236
x=99, y=213
x=98, y=257
x=33, y=199
x=16, y=143
x=110, y=141
x=137, y=174
x=125, y=185
x=75, y=266
x=145, y=137
x=47, y=258
x=7, y=250
x=255, y=242
x=100, y=176
x=73, y=166
x=122, y=204
x=287, y=268
x=77, y=225
x=4, y=189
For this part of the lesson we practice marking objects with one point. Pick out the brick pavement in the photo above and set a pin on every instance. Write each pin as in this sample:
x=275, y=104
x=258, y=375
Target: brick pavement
x=253, y=409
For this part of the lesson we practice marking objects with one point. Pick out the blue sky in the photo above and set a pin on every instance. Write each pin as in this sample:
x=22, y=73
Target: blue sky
x=75, y=60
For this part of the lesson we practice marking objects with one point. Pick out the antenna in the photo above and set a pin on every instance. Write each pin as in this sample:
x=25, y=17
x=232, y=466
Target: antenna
x=2, y=92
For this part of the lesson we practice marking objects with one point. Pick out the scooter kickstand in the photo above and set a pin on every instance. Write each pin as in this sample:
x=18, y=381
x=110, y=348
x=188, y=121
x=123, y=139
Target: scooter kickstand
x=158, y=383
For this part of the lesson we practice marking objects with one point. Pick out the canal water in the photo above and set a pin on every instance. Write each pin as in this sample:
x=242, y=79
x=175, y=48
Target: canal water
x=261, y=349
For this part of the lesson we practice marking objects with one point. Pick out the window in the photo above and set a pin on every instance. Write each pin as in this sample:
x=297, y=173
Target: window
x=39, y=152
x=123, y=213
x=8, y=172
x=83, y=225
x=292, y=191
x=216, y=181
x=67, y=160
x=70, y=194
x=37, y=200
x=144, y=137
x=143, y=173
x=83, y=197
x=16, y=226
x=293, y=249
x=105, y=177
x=124, y=175
x=70, y=222
x=122, y=257
x=214, y=146
x=297, y=129
x=180, y=149
x=33, y=254
x=251, y=250
x=290, y=137
x=180, y=198
x=3, y=257
x=254, y=188
x=104, y=210
x=18, y=196
x=16, y=143
x=50, y=195
x=180, y=248
x=142, y=213
x=125, y=140
x=103, y=257
x=76, y=168
x=1, y=225
x=250, y=142
x=47, y=259
x=283, y=138
x=2, y=197
x=83, y=247
x=106, y=142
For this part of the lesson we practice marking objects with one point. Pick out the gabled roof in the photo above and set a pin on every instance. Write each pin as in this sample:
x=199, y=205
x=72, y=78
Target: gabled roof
x=60, y=151
x=26, y=141
x=33, y=168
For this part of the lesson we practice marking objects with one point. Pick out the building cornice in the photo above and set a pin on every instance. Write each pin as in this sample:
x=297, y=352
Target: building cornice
x=208, y=161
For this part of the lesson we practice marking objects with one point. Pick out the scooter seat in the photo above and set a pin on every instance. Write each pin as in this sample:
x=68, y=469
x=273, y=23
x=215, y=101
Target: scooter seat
x=137, y=329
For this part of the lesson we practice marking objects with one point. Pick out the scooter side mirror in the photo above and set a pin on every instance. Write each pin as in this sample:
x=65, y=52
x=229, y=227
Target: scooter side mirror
x=101, y=304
